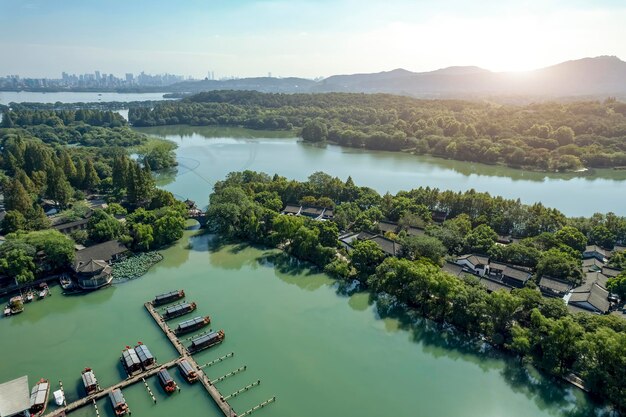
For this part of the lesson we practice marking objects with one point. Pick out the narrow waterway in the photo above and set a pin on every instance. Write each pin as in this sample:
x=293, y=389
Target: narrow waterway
x=207, y=154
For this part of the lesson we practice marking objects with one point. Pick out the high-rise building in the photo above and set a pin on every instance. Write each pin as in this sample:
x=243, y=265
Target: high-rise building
x=97, y=75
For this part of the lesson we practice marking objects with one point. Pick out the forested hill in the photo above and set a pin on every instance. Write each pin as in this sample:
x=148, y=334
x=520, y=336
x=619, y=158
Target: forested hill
x=543, y=136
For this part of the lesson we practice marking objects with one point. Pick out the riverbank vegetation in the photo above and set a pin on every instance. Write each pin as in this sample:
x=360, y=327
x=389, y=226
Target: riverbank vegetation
x=39, y=171
x=541, y=136
x=247, y=206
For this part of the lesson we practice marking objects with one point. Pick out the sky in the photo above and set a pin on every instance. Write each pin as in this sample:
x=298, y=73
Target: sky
x=304, y=38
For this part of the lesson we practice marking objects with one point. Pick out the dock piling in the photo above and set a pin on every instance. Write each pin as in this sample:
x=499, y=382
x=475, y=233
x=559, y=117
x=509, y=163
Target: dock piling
x=149, y=390
x=244, y=389
x=257, y=407
x=96, y=407
x=235, y=372
x=214, y=361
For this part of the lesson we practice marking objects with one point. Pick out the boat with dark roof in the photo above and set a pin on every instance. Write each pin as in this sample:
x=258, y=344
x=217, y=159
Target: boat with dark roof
x=130, y=361
x=89, y=381
x=179, y=310
x=118, y=402
x=39, y=398
x=168, y=297
x=145, y=356
x=193, y=324
x=166, y=381
x=187, y=371
x=206, y=341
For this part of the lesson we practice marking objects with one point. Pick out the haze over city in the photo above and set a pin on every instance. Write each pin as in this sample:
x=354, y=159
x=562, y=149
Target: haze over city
x=301, y=38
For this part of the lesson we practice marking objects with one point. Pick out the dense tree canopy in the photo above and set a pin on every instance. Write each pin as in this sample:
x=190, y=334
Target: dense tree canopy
x=544, y=136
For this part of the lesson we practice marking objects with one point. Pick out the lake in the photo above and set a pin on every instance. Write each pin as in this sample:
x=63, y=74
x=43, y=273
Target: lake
x=207, y=154
x=7, y=97
x=320, y=350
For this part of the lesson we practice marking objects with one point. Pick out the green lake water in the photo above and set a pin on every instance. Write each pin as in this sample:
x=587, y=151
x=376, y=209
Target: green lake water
x=207, y=154
x=320, y=352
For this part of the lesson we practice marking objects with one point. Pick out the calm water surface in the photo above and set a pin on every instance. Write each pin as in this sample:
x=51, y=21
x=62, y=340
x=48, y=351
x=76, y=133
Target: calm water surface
x=322, y=353
x=207, y=154
x=7, y=97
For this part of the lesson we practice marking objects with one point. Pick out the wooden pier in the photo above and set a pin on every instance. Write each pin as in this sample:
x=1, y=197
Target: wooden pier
x=217, y=397
x=184, y=354
x=90, y=399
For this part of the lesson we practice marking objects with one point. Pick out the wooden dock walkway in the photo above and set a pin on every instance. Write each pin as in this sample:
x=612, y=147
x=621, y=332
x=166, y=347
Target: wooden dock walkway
x=219, y=399
x=62, y=411
x=184, y=354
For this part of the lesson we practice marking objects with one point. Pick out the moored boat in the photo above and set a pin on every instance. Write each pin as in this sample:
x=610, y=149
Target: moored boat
x=179, y=310
x=89, y=381
x=167, y=382
x=7, y=311
x=193, y=324
x=168, y=297
x=118, y=402
x=30, y=296
x=187, y=371
x=43, y=290
x=16, y=304
x=145, y=356
x=59, y=397
x=206, y=341
x=66, y=282
x=39, y=397
x=130, y=361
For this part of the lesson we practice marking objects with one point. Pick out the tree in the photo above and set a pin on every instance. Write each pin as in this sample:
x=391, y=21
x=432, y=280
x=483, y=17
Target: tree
x=314, y=130
x=617, y=285
x=58, y=249
x=572, y=237
x=15, y=197
x=168, y=228
x=366, y=256
x=103, y=227
x=564, y=135
x=481, y=239
x=7, y=120
x=18, y=263
x=58, y=188
x=520, y=341
x=143, y=236
x=120, y=173
x=415, y=247
x=558, y=264
x=601, y=235
x=91, y=180
x=12, y=222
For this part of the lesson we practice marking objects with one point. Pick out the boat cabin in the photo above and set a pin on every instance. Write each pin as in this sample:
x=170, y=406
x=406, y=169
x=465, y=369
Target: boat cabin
x=39, y=397
x=179, y=310
x=193, y=324
x=206, y=341
x=131, y=361
x=145, y=356
x=168, y=297
x=187, y=371
x=89, y=381
x=16, y=304
x=118, y=402
x=166, y=381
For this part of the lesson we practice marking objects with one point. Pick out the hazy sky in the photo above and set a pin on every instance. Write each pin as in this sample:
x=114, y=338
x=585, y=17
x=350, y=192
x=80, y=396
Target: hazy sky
x=301, y=37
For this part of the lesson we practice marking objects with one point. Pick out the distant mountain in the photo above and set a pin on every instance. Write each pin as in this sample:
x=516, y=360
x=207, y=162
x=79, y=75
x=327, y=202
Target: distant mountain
x=600, y=76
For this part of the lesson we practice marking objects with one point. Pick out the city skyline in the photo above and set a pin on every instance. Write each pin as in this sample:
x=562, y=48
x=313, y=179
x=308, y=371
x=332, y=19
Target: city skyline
x=303, y=38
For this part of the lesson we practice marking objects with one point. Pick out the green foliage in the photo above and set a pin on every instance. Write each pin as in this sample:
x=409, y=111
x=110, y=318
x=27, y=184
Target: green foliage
x=103, y=227
x=617, y=285
x=314, y=131
x=481, y=239
x=427, y=247
x=572, y=237
x=158, y=154
x=588, y=134
x=12, y=222
x=366, y=256
x=558, y=264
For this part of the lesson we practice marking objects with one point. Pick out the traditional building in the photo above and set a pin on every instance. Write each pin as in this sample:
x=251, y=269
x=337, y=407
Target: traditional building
x=476, y=264
x=15, y=398
x=92, y=266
